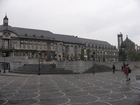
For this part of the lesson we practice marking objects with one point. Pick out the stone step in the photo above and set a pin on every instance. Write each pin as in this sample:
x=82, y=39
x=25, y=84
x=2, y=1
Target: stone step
x=47, y=72
x=44, y=69
x=98, y=68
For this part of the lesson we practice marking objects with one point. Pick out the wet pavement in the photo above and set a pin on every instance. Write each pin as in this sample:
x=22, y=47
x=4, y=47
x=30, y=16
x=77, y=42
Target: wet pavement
x=71, y=89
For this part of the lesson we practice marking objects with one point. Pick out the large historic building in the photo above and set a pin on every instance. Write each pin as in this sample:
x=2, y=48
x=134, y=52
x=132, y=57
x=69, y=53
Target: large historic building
x=15, y=41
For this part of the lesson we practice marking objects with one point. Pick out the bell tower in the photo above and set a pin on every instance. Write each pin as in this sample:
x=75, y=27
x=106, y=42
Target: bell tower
x=5, y=21
x=120, y=40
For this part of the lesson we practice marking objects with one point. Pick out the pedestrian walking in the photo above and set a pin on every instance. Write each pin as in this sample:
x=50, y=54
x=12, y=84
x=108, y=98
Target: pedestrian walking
x=9, y=67
x=113, y=68
x=127, y=70
x=124, y=65
x=122, y=68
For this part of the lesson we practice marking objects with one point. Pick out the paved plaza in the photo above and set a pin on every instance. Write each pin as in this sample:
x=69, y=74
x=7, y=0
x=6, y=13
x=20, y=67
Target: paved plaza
x=70, y=89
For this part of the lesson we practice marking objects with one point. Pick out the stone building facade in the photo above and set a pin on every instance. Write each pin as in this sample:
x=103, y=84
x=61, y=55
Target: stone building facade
x=32, y=43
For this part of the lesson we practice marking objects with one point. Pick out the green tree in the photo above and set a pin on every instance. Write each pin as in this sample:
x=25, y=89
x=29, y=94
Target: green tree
x=131, y=54
x=137, y=57
x=82, y=54
x=88, y=54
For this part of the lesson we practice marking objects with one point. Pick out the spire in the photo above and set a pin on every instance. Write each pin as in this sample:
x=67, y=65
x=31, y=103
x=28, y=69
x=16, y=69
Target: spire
x=5, y=20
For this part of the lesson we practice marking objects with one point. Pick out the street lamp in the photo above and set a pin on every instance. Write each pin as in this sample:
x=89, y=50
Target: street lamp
x=123, y=57
x=4, y=55
x=93, y=62
x=39, y=63
x=105, y=56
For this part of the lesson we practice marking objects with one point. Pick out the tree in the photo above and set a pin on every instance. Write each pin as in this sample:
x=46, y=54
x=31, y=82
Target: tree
x=82, y=54
x=88, y=54
x=137, y=57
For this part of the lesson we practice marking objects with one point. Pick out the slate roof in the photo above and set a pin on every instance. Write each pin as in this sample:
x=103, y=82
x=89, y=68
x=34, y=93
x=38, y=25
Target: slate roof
x=127, y=42
x=31, y=32
x=92, y=41
x=75, y=39
x=67, y=38
x=10, y=28
x=48, y=34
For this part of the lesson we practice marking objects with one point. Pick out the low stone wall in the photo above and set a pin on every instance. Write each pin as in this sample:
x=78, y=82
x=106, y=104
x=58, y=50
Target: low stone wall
x=117, y=64
x=137, y=64
x=10, y=59
x=81, y=66
x=76, y=66
x=19, y=63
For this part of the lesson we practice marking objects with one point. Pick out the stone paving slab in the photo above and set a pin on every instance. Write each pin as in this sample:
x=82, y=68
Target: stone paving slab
x=74, y=89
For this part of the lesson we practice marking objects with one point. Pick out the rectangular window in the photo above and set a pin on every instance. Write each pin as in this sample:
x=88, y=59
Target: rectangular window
x=6, y=44
x=30, y=46
x=21, y=46
x=55, y=47
x=15, y=45
x=26, y=46
x=46, y=46
x=34, y=46
x=38, y=46
x=51, y=46
x=43, y=47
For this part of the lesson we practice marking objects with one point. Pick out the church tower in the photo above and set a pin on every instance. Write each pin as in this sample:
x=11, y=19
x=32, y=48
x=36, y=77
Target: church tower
x=5, y=21
x=120, y=40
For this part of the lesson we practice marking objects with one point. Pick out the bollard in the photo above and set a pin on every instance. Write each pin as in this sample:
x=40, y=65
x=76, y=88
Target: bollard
x=137, y=77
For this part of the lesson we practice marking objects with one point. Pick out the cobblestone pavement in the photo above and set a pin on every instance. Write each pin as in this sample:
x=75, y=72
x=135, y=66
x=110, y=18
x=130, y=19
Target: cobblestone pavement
x=74, y=89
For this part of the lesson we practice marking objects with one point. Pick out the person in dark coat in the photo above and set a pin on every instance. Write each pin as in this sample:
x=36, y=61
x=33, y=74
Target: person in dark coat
x=113, y=68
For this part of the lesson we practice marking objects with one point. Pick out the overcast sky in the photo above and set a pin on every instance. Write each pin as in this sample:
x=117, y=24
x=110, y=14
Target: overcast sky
x=92, y=19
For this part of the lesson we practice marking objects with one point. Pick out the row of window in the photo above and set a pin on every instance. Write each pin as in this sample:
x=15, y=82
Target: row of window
x=61, y=44
x=33, y=42
x=44, y=47
x=99, y=46
x=26, y=46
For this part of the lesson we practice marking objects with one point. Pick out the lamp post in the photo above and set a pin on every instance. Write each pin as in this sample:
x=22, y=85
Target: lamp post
x=4, y=55
x=123, y=57
x=105, y=56
x=93, y=62
x=39, y=63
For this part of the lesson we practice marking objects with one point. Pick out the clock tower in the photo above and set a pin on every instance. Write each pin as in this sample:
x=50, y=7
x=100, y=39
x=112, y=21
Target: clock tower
x=5, y=21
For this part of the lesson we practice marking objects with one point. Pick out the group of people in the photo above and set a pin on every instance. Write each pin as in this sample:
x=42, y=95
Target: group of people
x=126, y=70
